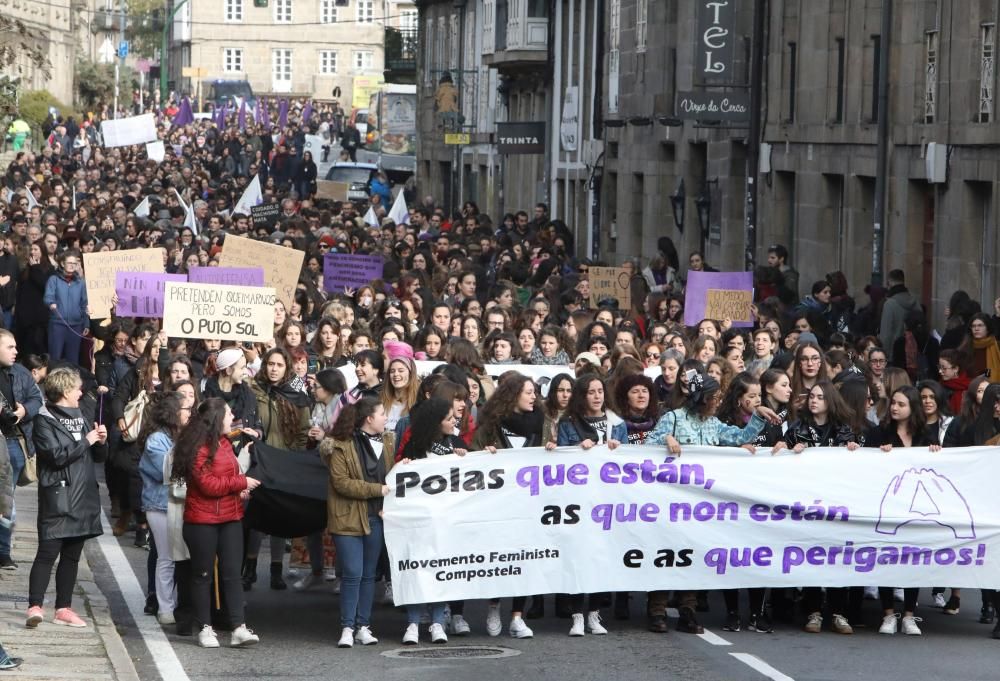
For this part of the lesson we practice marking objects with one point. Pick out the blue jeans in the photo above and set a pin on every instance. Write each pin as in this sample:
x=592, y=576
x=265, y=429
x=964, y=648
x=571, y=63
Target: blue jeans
x=359, y=557
x=16, y=464
x=414, y=612
x=8, y=321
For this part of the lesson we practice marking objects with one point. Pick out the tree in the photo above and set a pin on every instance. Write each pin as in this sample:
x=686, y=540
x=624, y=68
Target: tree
x=17, y=40
x=95, y=83
x=145, y=26
x=35, y=107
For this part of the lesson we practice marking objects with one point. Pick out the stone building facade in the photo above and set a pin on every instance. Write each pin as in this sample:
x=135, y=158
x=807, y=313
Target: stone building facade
x=55, y=25
x=817, y=180
x=289, y=47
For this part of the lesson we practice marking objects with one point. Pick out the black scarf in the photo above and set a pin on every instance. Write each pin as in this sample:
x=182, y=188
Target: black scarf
x=527, y=425
x=638, y=428
x=372, y=467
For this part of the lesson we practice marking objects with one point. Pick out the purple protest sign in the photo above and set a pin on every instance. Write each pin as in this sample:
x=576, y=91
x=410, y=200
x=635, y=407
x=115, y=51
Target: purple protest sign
x=347, y=270
x=718, y=295
x=230, y=276
x=140, y=294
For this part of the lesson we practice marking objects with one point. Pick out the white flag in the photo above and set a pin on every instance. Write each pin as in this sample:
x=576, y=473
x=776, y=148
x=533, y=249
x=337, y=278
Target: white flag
x=370, y=217
x=142, y=210
x=189, y=221
x=31, y=198
x=400, y=214
x=180, y=200
x=251, y=197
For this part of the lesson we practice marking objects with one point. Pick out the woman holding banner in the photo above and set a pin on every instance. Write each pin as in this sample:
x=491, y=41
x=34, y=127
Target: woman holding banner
x=586, y=423
x=905, y=426
x=359, y=456
x=511, y=419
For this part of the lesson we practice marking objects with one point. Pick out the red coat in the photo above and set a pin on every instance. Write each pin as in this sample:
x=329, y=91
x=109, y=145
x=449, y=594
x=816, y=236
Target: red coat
x=213, y=493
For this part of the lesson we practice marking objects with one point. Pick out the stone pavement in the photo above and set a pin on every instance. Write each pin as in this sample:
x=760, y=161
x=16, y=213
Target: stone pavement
x=52, y=651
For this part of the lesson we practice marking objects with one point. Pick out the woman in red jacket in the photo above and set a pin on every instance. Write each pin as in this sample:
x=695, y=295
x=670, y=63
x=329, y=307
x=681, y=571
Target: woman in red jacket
x=213, y=510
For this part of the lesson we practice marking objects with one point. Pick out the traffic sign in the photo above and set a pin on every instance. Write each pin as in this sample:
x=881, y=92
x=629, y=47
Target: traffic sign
x=123, y=49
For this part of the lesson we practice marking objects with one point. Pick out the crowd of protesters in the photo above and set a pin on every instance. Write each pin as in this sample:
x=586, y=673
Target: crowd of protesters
x=459, y=288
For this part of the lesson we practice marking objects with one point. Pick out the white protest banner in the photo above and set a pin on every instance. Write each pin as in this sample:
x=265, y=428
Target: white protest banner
x=526, y=521
x=125, y=132
x=99, y=270
x=281, y=265
x=239, y=313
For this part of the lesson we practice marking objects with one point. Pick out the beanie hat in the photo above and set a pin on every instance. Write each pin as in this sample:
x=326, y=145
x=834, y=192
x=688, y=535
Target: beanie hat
x=397, y=350
x=228, y=358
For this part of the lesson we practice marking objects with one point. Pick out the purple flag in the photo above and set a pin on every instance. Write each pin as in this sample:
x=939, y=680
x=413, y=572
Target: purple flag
x=140, y=294
x=220, y=119
x=283, y=113
x=307, y=112
x=260, y=112
x=243, y=115
x=265, y=116
x=183, y=116
x=231, y=276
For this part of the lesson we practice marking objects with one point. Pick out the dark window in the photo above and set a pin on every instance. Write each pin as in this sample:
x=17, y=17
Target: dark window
x=792, y=76
x=838, y=116
x=876, y=61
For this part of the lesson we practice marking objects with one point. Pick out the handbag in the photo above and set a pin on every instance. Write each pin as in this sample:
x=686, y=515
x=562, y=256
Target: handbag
x=29, y=472
x=56, y=499
x=133, y=415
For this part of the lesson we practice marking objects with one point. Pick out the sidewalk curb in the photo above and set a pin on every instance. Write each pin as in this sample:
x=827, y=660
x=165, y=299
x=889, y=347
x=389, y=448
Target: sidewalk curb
x=97, y=604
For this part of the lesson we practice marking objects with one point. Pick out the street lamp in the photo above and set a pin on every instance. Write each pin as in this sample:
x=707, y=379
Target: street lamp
x=677, y=202
x=703, y=204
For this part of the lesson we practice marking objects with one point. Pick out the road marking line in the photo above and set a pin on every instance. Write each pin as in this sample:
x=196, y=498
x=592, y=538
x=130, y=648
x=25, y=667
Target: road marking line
x=714, y=639
x=167, y=663
x=759, y=665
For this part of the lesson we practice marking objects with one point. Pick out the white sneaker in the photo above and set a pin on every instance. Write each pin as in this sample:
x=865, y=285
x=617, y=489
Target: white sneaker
x=577, y=628
x=493, y=624
x=387, y=594
x=308, y=582
x=518, y=629
x=437, y=634
x=346, y=638
x=889, y=623
x=411, y=636
x=207, y=637
x=871, y=593
x=897, y=595
x=242, y=636
x=336, y=586
x=939, y=601
x=909, y=626
x=166, y=618
x=594, y=623
x=364, y=636
x=459, y=627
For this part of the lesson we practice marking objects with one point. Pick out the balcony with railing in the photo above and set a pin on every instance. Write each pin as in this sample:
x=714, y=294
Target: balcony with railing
x=515, y=33
x=400, y=55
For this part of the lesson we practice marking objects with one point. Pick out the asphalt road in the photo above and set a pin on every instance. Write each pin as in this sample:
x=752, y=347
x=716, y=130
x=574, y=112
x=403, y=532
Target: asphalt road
x=299, y=632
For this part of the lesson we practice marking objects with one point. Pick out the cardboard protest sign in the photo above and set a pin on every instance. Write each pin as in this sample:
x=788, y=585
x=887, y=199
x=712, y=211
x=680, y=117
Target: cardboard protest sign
x=725, y=304
x=334, y=191
x=265, y=214
x=718, y=295
x=239, y=313
x=230, y=276
x=610, y=282
x=100, y=270
x=281, y=265
x=350, y=270
x=140, y=294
